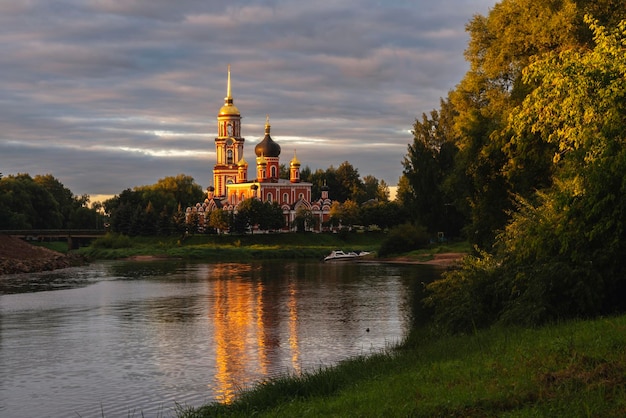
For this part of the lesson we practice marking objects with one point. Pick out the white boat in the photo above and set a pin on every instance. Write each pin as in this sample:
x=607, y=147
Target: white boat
x=339, y=255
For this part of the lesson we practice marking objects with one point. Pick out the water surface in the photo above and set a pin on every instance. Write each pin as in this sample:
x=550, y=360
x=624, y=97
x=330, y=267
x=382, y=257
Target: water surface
x=134, y=338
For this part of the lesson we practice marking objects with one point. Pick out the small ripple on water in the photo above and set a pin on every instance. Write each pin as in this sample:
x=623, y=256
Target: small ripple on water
x=139, y=346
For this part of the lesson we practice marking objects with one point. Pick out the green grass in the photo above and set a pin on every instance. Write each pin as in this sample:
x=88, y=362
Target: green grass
x=58, y=246
x=574, y=369
x=231, y=247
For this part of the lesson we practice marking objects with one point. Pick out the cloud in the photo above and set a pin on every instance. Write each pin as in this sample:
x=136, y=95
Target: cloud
x=107, y=95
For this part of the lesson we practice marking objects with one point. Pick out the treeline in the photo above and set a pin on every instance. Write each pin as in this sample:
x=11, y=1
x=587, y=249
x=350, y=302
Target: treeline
x=160, y=209
x=526, y=157
x=43, y=202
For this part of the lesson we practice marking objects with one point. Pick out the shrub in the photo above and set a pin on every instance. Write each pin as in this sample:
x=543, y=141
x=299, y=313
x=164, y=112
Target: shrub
x=404, y=238
x=112, y=241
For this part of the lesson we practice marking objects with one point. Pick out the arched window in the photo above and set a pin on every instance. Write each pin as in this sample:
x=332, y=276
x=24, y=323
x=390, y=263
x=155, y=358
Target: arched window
x=229, y=156
x=285, y=198
x=269, y=197
x=273, y=171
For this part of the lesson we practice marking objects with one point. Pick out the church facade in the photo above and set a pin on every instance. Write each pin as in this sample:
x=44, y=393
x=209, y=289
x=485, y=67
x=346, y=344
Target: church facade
x=231, y=183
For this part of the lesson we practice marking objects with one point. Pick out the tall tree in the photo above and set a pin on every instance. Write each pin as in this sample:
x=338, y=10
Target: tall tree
x=489, y=168
x=430, y=159
x=349, y=184
x=562, y=254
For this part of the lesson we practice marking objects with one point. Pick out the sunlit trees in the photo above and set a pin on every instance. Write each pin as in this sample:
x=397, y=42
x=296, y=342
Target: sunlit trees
x=252, y=213
x=133, y=212
x=489, y=168
x=562, y=254
x=219, y=219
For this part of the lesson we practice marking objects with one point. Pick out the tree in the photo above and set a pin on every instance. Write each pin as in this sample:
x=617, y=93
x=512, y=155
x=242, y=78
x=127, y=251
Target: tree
x=349, y=184
x=169, y=193
x=271, y=217
x=384, y=214
x=562, y=254
x=27, y=204
x=305, y=220
x=248, y=215
x=219, y=220
x=489, y=169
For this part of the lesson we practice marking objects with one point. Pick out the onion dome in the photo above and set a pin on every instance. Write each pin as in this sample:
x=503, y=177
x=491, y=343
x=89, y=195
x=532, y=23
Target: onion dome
x=294, y=161
x=229, y=109
x=267, y=147
x=242, y=163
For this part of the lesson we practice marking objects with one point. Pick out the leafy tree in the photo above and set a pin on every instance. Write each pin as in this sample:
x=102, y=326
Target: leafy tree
x=193, y=223
x=305, y=219
x=219, y=220
x=179, y=220
x=489, y=169
x=349, y=184
x=384, y=214
x=132, y=211
x=271, y=217
x=382, y=192
x=249, y=214
x=305, y=175
x=27, y=204
x=562, y=253
x=403, y=238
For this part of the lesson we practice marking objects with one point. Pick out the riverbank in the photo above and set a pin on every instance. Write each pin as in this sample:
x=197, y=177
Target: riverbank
x=264, y=246
x=573, y=369
x=18, y=256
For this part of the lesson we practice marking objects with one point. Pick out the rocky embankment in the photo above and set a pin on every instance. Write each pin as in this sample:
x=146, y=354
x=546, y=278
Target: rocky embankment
x=18, y=256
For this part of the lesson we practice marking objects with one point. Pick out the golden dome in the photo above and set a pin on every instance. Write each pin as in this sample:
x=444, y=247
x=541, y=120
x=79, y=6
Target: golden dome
x=229, y=109
x=261, y=160
x=242, y=163
x=294, y=161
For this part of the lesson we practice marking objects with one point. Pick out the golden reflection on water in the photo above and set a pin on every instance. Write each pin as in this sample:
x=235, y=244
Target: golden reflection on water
x=293, y=327
x=245, y=318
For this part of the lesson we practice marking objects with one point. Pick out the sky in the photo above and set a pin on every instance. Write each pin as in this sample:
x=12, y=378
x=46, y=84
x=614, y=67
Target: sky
x=107, y=95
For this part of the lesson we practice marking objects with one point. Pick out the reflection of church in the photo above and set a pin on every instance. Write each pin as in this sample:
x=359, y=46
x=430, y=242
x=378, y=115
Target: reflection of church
x=230, y=173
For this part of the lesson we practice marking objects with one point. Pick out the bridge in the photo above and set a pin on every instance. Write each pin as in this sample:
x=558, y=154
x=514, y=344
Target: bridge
x=74, y=237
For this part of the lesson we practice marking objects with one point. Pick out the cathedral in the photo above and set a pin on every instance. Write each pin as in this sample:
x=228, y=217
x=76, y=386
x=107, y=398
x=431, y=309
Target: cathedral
x=231, y=184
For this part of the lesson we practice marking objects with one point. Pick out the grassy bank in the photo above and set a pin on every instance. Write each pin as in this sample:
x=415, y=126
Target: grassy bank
x=575, y=369
x=231, y=247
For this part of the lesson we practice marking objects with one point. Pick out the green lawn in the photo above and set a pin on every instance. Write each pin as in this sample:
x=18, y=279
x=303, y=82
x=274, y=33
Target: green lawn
x=232, y=247
x=575, y=369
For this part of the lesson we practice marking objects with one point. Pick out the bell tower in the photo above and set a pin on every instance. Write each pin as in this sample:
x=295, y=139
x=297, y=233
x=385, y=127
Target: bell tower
x=228, y=144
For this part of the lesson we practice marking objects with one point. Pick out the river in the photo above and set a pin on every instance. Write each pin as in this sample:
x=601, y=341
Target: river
x=126, y=338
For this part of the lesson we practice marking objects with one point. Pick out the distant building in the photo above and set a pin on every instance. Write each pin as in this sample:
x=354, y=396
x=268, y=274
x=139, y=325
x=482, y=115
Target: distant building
x=231, y=185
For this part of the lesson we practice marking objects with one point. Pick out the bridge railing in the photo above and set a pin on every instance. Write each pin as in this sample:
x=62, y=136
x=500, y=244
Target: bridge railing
x=53, y=232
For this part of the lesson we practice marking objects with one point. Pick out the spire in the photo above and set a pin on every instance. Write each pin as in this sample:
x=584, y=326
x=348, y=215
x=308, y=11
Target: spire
x=267, y=124
x=228, y=95
x=229, y=109
x=294, y=161
x=229, y=98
